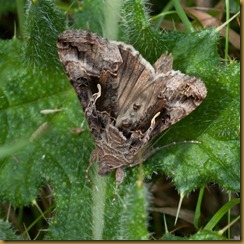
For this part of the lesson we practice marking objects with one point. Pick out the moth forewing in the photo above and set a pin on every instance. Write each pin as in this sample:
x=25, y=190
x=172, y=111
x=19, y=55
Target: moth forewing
x=126, y=100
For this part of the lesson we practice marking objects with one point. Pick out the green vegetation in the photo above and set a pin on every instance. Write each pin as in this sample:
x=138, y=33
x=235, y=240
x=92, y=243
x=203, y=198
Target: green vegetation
x=40, y=159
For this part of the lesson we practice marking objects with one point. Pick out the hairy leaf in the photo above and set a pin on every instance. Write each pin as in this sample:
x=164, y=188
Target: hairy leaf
x=7, y=232
x=40, y=149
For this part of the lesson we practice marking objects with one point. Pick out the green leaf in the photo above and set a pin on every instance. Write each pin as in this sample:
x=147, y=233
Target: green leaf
x=24, y=95
x=198, y=208
x=221, y=212
x=98, y=16
x=195, y=52
x=133, y=218
x=43, y=24
x=7, y=6
x=7, y=232
x=52, y=155
x=56, y=156
x=90, y=16
x=215, y=123
x=204, y=235
x=137, y=30
x=170, y=237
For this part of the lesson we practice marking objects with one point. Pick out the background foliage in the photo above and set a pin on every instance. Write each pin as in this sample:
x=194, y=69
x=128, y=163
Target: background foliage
x=42, y=163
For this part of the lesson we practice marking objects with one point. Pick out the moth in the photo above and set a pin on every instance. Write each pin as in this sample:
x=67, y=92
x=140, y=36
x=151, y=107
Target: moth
x=126, y=100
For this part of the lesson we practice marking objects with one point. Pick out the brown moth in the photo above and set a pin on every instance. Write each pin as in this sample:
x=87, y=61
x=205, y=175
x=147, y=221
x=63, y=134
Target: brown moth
x=126, y=100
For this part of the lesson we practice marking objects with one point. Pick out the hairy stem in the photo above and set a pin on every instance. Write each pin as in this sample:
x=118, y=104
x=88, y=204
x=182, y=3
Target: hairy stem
x=21, y=15
x=99, y=197
x=111, y=11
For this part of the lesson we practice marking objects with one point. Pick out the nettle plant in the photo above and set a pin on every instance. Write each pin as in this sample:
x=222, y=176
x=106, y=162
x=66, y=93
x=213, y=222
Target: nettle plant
x=46, y=143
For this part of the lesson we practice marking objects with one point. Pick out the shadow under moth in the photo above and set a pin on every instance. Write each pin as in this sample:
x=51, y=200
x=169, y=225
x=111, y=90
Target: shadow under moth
x=126, y=100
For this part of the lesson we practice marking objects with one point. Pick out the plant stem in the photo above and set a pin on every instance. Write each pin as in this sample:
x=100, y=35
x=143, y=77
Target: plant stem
x=164, y=12
x=228, y=216
x=111, y=13
x=99, y=197
x=198, y=208
x=227, y=29
x=21, y=16
x=220, y=213
x=183, y=16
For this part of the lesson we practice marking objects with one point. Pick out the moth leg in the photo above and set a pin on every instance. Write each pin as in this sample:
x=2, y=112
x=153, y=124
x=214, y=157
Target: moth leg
x=120, y=174
x=149, y=130
x=87, y=171
x=92, y=161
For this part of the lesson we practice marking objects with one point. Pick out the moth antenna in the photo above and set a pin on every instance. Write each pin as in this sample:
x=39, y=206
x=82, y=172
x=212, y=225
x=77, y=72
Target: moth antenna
x=172, y=144
x=120, y=174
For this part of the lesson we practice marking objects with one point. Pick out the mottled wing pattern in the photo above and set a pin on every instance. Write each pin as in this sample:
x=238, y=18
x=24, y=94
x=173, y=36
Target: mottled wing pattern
x=181, y=95
x=90, y=60
x=126, y=100
x=155, y=89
